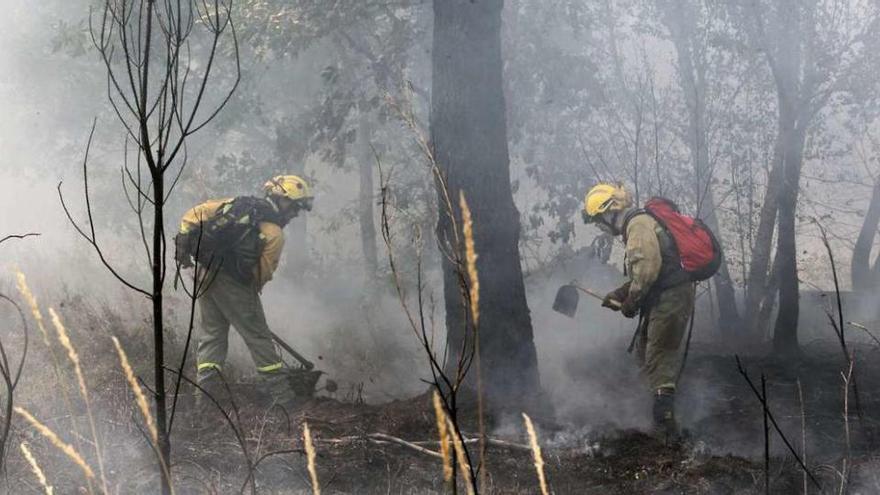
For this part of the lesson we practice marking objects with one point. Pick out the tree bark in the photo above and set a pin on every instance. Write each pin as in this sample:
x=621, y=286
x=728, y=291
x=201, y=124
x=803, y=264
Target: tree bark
x=469, y=135
x=785, y=334
x=793, y=95
x=758, y=284
x=863, y=277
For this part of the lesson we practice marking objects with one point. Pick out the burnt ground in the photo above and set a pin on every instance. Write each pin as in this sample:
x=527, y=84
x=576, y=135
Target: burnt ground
x=723, y=453
x=208, y=459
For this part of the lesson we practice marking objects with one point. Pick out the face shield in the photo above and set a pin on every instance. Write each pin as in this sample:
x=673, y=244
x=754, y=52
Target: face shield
x=599, y=221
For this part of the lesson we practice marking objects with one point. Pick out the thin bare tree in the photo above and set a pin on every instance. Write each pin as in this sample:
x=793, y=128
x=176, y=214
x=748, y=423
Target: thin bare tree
x=161, y=77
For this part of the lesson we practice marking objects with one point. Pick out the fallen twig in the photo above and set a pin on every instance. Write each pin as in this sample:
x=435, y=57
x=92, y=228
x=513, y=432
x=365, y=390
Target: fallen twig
x=400, y=441
x=865, y=329
x=418, y=446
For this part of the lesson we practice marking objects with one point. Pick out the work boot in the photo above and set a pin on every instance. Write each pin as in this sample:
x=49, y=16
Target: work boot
x=665, y=427
x=212, y=383
x=278, y=386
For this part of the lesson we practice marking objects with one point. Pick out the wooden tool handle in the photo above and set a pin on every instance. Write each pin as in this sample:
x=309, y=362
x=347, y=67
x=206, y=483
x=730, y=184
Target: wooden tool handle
x=589, y=292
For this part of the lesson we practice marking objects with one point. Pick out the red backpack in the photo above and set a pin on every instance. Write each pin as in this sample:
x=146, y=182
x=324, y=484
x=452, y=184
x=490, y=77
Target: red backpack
x=698, y=249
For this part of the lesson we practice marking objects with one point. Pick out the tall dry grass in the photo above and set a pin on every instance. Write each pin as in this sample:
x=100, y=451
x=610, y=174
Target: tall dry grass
x=140, y=397
x=461, y=457
x=53, y=438
x=36, y=469
x=310, y=457
x=73, y=356
x=443, y=433
x=536, y=454
x=470, y=257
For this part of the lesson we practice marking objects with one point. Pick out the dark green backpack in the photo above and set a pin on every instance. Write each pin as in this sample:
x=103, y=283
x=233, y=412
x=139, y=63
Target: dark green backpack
x=230, y=240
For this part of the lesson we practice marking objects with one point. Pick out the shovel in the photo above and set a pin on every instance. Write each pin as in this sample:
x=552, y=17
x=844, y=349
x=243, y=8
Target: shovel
x=303, y=380
x=566, y=301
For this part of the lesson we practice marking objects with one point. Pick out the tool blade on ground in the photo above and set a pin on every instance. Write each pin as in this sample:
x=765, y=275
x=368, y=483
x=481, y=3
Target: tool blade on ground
x=566, y=301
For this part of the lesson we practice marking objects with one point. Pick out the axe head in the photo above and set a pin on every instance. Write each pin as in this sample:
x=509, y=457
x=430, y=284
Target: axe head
x=566, y=301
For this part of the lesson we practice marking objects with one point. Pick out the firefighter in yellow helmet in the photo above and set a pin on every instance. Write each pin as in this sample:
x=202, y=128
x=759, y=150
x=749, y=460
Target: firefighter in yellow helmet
x=238, y=243
x=658, y=289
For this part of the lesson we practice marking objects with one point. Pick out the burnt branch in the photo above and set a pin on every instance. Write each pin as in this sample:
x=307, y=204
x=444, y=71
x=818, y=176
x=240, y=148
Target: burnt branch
x=10, y=380
x=19, y=236
x=762, y=398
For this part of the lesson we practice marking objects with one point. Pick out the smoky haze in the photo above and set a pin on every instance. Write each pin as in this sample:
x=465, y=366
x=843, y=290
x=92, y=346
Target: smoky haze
x=701, y=102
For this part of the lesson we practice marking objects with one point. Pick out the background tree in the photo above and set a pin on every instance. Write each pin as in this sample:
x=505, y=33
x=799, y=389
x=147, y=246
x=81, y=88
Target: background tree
x=468, y=133
x=814, y=51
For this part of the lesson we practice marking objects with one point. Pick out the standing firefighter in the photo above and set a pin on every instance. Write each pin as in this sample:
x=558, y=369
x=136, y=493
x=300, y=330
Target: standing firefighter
x=666, y=252
x=239, y=241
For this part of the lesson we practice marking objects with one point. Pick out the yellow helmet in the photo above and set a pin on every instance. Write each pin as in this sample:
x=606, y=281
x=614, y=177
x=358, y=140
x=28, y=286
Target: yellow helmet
x=288, y=186
x=605, y=197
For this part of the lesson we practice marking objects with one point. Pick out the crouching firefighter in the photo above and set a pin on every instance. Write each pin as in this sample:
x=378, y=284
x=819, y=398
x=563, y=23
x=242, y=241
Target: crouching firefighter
x=666, y=253
x=238, y=242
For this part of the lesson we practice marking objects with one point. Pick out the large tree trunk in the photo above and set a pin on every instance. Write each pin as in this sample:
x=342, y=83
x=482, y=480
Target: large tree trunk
x=469, y=135
x=787, y=68
x=758, y=284
x=863, y=277
x=785, y=335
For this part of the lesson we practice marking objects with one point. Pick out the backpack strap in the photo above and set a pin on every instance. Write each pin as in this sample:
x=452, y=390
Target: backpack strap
x=629, y=216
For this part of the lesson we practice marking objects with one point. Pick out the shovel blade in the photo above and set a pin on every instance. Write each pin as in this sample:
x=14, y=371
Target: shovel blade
x=566, y=301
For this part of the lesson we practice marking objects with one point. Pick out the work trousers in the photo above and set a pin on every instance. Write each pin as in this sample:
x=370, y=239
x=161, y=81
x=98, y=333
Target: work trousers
x=226, y=302
x=658, y=344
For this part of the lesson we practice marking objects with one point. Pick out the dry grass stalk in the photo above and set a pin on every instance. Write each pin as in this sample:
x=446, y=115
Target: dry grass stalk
x=461, y=457
x=50, y=435
x=536, y=453
x=64, y=339
x=803, y=432
x=32, y=302
x=470, y=256
x=139, y=396
x=26, y=293
x=443, y=432
x=71, y=353
x=310, y=456
x=471, y=264
x=35, y=467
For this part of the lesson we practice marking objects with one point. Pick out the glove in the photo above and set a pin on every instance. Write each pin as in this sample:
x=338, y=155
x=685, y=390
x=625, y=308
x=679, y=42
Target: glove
x=630, y=307
x=183, y=250
x=615, y=298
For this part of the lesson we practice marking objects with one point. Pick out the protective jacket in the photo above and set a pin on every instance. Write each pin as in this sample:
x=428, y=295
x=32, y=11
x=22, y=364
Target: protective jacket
x=652, y=261
x=270, y=239
x=663, y=291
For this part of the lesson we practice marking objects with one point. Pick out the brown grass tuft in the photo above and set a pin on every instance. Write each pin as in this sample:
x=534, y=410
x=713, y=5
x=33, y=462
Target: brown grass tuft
x=443, y=432
x=32, y=303
x=71, y=353
x=140, y=398
x=64, y=339
x=461, y=456
x=310, y=456
x=35, y=467
x=470, y=256
x=536, y=453
x=50, y=435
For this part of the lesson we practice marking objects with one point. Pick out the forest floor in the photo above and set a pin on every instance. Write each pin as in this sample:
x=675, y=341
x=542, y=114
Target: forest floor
x=723, y=452
x=351, y=458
